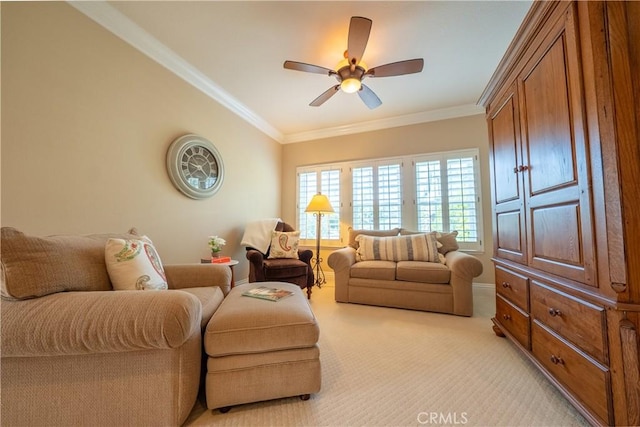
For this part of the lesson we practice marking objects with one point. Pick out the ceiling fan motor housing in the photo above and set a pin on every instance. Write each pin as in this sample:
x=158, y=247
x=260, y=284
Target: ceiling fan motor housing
x=345, y=73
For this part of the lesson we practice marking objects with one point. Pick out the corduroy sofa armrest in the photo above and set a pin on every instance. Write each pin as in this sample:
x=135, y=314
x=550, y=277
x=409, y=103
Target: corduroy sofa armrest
x=180, y=276
x=342, y=259
x=76, y=323
x=463, y=265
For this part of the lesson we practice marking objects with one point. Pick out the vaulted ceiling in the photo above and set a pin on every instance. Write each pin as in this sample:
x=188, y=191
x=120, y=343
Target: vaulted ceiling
x=234, y=51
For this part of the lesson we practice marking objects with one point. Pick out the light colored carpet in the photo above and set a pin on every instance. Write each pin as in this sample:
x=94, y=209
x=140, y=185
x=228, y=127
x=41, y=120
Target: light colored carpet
x=391, y=367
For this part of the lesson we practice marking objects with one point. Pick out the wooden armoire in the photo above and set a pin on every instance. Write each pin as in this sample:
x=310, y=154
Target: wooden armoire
x=563, y=114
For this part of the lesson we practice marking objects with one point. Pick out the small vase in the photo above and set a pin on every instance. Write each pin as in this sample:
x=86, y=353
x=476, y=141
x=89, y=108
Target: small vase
x=215, y=254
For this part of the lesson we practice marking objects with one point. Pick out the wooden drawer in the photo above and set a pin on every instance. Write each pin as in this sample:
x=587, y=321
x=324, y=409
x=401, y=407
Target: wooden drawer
x=513, y=287
x=514, y=320
x=584, y=377
x=580, y=322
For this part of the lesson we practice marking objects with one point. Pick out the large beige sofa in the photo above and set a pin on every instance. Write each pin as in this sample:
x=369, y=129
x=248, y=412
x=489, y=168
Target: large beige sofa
x=76, y=352
x=443, y=286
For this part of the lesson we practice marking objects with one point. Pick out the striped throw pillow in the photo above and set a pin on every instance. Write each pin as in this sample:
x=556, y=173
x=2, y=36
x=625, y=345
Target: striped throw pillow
x=416, y=247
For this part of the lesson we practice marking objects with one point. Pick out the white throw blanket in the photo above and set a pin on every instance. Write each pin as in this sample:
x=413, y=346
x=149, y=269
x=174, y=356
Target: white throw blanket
x=258, y=234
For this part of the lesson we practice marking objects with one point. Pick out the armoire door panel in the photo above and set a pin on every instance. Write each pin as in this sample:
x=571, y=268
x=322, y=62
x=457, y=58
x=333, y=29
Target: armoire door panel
x=548, y=122
x=508, y=235
x=555, y=231
x=556, y=243
x=505, y=151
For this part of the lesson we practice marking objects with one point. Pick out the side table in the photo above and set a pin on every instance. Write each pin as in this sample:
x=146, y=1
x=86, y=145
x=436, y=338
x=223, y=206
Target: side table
x=229, y=264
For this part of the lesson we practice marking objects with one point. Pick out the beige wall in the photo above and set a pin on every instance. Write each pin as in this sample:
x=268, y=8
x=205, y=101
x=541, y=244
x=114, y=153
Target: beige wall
x=445, y=135
x=86, y=123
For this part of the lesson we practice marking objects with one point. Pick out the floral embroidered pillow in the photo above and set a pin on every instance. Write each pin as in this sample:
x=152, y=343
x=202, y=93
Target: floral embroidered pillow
x=284, y=244
x=134, y=264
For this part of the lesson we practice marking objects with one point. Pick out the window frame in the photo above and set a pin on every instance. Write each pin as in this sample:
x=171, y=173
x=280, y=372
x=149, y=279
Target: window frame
x=409, y=208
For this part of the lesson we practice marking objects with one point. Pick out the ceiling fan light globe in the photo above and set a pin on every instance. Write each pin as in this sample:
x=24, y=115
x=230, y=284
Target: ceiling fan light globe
x=350, y=85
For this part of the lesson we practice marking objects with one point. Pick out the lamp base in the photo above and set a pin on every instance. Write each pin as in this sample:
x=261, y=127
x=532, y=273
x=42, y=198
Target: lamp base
x=319, y=277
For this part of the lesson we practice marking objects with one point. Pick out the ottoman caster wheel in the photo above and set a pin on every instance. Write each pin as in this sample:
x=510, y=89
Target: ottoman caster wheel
x=225, y=409
x=305, y=396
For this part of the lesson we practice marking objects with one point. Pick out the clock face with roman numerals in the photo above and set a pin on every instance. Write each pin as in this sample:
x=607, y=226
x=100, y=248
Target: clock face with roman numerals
x=195, y=166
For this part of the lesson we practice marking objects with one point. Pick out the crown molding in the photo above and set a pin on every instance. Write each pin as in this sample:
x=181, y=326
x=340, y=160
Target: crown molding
x=391, y=122
x=114, y=21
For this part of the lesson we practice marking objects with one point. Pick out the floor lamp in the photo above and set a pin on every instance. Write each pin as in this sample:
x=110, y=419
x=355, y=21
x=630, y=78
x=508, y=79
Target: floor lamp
x=319, y=205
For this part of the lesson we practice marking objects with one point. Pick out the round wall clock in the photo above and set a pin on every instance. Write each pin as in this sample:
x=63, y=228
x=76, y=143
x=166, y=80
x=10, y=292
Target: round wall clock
x=195, y=166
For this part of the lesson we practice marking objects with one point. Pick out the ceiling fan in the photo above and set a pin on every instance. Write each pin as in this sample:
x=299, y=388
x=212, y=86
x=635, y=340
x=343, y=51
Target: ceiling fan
x=351, y=71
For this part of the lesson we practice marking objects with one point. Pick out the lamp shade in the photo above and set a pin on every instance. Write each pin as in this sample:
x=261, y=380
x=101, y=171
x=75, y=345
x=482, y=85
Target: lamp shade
x=319, y=203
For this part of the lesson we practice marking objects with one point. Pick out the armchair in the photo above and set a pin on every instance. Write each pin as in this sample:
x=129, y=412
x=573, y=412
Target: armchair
x=296, y=271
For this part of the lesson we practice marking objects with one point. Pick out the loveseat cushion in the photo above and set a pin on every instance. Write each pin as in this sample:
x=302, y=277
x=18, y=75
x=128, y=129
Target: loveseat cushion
x=422, y=272
x=374, y=270
x=38, y=266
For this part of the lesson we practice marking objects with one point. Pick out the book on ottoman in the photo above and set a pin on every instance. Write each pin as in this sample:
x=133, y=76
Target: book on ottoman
x=271, y=294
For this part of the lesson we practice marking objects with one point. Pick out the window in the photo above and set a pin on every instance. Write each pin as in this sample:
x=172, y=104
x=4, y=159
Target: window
x=325, y=180
x=447, y=196
x=429, y=192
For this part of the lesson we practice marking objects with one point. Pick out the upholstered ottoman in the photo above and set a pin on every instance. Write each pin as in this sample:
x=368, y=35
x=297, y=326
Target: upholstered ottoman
x=261, y=350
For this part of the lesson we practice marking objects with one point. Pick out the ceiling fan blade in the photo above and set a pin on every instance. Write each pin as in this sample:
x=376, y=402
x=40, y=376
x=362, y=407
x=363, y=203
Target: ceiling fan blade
x=370, y=99
x=325, y=96
x=308, y=68
x=409, y=66
x=359, y=29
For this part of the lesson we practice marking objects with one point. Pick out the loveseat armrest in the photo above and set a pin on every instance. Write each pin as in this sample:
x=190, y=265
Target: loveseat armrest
x=464, y=268
x=77, y=323
x=340, y=262
x=180, y=276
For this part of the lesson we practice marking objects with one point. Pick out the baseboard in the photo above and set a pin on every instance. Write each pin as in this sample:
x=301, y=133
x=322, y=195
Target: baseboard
x=490, y=286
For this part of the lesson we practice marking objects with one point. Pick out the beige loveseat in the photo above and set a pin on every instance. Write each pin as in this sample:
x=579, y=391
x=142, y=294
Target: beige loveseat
x=76, y=352
x=396, y=279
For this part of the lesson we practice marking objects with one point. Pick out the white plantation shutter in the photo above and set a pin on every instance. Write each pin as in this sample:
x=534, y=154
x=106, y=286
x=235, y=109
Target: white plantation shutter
x=429, y=195
x=389, y=197
x=330, y=187
x=362, y=198
x=376, y=197
x=307, y=187
x=310, y=182
x=462, y=198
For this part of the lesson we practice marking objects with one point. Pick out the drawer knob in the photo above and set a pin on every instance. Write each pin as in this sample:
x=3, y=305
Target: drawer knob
x=553, y=312
x=506, y=285
x=556, y=360
x=506, y=317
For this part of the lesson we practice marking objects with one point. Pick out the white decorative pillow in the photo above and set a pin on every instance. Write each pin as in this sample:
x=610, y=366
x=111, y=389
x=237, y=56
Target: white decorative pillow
x=134, y=264
x=414, y=247
x=284, y=244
